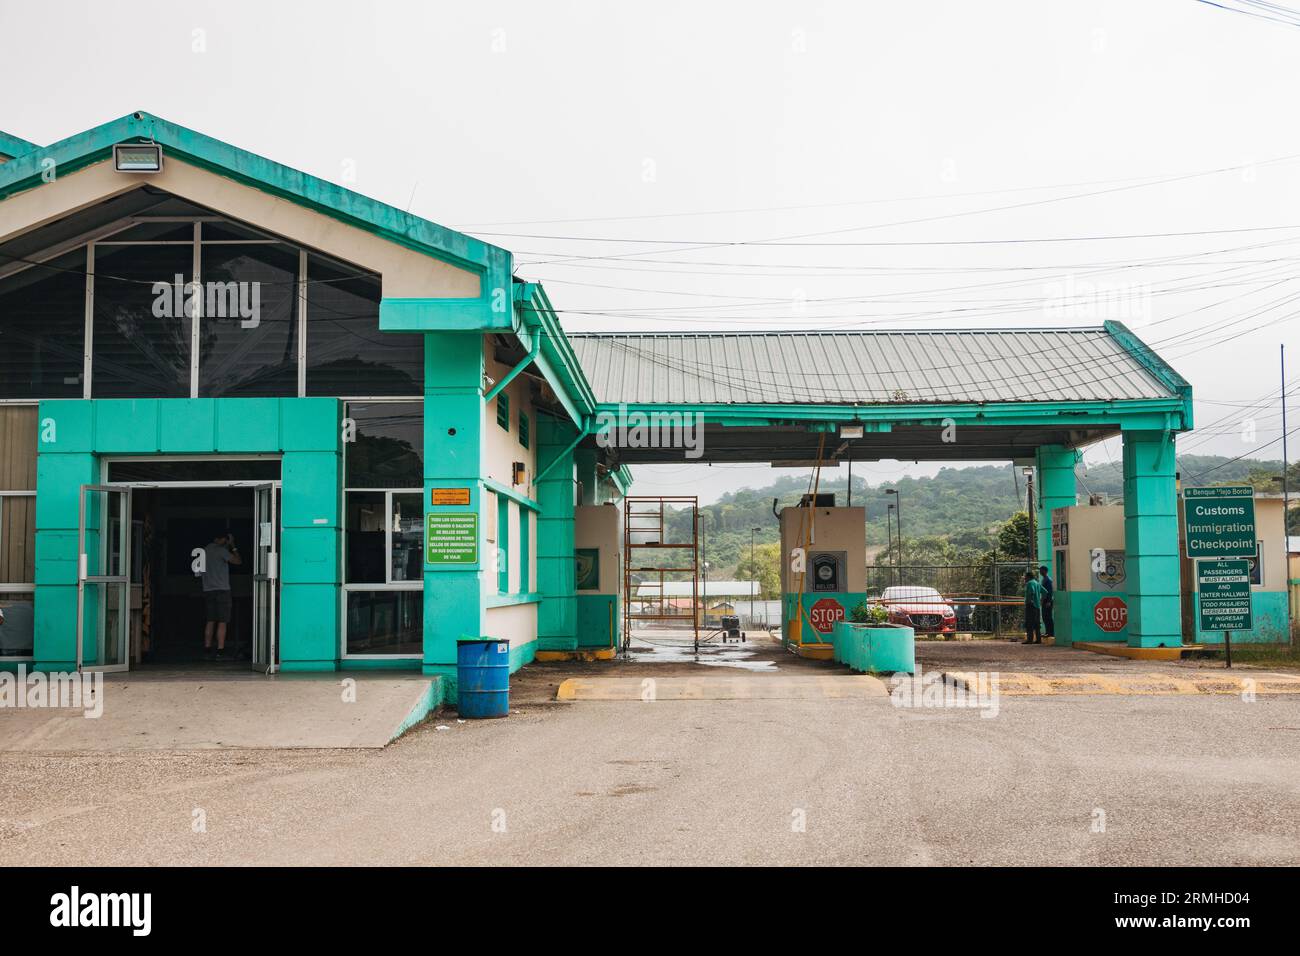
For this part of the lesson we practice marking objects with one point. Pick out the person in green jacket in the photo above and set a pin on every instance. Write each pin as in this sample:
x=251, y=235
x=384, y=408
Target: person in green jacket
x=1033, y=609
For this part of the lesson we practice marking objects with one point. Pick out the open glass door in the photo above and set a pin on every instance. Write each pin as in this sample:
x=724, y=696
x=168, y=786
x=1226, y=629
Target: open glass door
x=103, y=578
x=266, y=579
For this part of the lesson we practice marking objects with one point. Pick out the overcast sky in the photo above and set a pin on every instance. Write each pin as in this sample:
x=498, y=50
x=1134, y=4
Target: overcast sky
x=705, y=124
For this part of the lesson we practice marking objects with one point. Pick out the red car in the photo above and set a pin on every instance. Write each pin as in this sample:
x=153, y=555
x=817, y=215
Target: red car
x=922, y=609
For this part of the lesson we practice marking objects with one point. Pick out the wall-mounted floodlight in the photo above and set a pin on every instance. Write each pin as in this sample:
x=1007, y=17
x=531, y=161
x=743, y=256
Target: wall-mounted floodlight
x=137, y=158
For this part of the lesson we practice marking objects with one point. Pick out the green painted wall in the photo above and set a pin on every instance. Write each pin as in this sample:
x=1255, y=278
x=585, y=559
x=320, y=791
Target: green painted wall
x=595, y=614
x=1074, y=618
x=1056, y=479
x=846, y=599
x=1269, y=613
x=1151, y=540
x=453, y=458
x=75, y=434
x=557, y=616
x=584, y=460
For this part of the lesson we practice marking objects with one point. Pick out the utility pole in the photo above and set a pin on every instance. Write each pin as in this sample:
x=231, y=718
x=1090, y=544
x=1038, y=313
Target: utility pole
x=1286, y=504
x=899, y=526
x=753, y=573
x=889, y=537
x=1029, y=509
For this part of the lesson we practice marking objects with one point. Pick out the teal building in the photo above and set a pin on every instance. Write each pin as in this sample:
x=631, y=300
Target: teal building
x=404, y=442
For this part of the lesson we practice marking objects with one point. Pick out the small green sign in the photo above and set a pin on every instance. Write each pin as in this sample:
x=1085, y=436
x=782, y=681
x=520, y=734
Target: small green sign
x=1223, y=595
x=451, y=538
x=1219, y=522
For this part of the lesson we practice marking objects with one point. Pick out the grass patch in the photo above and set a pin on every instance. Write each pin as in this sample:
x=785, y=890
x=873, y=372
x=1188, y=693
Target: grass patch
x=1264, y=655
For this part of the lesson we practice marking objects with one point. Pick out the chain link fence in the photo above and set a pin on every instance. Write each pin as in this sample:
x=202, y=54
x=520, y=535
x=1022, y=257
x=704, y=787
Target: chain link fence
x=988, y=597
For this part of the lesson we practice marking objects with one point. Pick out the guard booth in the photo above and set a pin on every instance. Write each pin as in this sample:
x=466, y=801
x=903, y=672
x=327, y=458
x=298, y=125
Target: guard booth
x=1268, y=580
x=1091, y=574
x=1093, y=577
x=833, y=581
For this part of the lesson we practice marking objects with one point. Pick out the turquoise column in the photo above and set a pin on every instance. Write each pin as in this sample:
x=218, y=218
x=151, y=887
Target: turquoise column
x=1055, y=464
x=453, y=458
x=311, y=474
x=1151, y=540
x=585, y=460
x=557, y=615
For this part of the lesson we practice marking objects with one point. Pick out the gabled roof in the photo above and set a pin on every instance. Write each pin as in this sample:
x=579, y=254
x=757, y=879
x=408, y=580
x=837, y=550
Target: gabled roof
x=874, y=368
x=13, y=147
x=95, y=145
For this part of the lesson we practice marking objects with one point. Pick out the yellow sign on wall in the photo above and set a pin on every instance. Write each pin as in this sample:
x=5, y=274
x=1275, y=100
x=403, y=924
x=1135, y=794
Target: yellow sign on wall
x=449, y=496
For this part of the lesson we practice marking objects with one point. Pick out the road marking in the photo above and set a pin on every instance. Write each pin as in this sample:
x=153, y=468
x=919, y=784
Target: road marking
x=1023, y=684
x=747, y=687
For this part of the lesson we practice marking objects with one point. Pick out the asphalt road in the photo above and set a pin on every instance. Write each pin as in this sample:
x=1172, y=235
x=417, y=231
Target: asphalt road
x=1180, y=780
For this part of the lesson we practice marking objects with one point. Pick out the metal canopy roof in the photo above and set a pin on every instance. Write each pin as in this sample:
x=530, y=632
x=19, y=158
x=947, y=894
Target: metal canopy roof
x=867, y=368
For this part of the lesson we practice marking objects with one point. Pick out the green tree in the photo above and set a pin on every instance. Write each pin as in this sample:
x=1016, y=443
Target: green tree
x=1013, y=537
x=765, y=568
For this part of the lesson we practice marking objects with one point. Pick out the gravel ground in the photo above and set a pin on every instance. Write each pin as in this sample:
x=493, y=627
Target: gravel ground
x=1186, y=780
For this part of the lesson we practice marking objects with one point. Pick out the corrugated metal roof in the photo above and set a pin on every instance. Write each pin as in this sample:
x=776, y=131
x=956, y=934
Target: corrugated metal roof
x=1020, y=365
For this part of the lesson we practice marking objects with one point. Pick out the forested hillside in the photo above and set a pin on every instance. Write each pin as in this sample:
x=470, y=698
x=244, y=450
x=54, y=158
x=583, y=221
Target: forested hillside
x=959, y=509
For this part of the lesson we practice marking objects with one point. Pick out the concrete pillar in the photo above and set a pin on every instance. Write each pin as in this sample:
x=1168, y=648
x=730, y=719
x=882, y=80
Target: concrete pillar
x=585, y=459
x=1056, y=489
x=1151, y=540
x=453, y=458
x=557, y=615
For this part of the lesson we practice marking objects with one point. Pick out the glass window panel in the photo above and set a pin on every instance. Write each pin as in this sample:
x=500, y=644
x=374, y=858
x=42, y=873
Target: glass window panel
x=18, y=444
x=388, y=450
x=158, y=231
x=17, y=539
x=16, y=633
x=248, y=331
x=199, y=469
x=141, y=337
x=346, y=352
x=230, y=230
x=408, y=538
x=366, y=537
x=42, y=328
x=386, y=622
x=503, y=544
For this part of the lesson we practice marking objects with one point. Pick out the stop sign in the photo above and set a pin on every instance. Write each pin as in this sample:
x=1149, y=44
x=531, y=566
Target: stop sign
x=1111, y=614
x=825, y=613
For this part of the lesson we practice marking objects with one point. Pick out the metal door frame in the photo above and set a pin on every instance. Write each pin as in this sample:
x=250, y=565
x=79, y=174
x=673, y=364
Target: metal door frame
x=266, y=578
x=122, y=580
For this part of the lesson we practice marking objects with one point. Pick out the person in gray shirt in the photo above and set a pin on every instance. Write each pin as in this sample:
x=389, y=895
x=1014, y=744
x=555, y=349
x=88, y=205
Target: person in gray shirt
x=217, y=558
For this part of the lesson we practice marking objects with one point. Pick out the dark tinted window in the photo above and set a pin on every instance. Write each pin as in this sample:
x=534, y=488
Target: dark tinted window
x=388, y=450
x=386, y=622
x=42, y=327
x=207, y=469
x=248, y=333
x=346, y=352
x=366, y=537
x=141, y=336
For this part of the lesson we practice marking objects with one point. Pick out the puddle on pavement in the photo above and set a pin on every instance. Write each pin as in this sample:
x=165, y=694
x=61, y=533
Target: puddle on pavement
x=658, y=649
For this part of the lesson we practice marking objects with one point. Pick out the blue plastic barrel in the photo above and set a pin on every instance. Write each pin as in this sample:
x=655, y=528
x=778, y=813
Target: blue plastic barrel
x=483, y=678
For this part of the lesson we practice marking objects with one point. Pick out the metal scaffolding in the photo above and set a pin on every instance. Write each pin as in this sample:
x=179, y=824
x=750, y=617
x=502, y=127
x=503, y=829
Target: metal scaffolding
x=647, y=544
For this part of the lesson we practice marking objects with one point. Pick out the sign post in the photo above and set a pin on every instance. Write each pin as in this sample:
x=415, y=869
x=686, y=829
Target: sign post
x=1219, y=529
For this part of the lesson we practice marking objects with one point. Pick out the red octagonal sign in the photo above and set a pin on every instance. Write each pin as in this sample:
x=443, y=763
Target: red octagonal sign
x=825, y=613
x=1111, y=614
